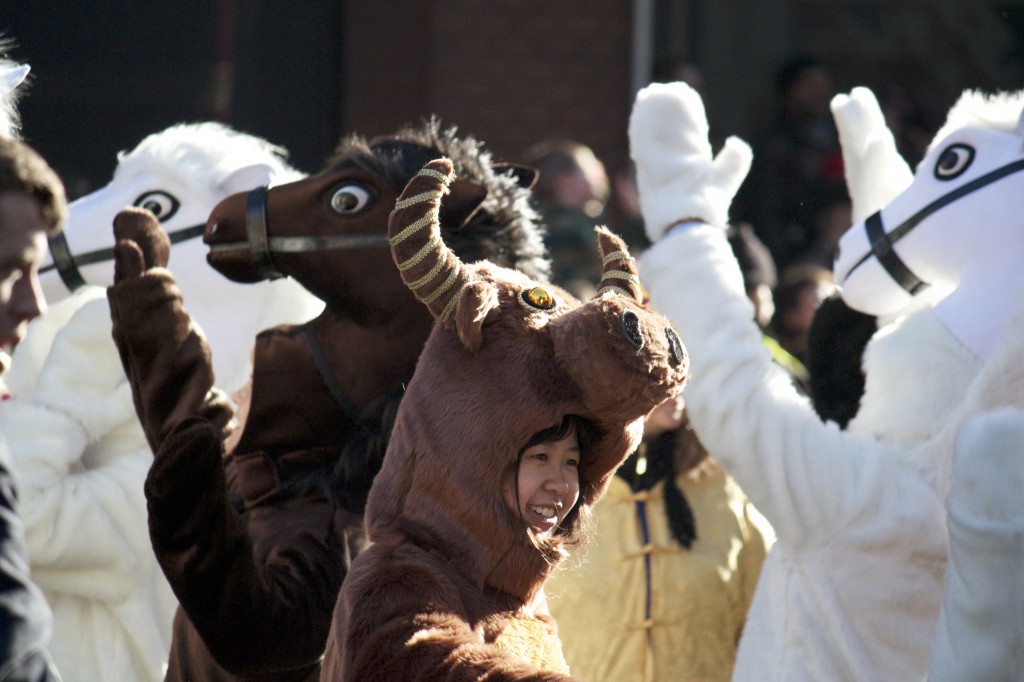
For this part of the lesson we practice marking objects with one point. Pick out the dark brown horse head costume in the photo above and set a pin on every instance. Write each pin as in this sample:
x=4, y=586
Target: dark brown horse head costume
x=338, y=379
x=510, y=357
x=329, y=231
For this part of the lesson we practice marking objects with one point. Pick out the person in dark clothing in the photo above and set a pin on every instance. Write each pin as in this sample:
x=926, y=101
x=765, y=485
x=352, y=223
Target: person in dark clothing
x=796, y=192
x=32, y=207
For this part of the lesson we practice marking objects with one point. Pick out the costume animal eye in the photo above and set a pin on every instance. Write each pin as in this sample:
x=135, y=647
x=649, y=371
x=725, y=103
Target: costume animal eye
x=350, y=199
x=159, y=203
x=953, y=161
x=538, y=297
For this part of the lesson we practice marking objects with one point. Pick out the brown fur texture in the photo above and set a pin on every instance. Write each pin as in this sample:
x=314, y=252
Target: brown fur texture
x=452, y=587
x=255, y=565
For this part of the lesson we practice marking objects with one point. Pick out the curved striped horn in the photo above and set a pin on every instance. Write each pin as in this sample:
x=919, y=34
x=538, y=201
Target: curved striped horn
x=620, y=273
x=429, y=268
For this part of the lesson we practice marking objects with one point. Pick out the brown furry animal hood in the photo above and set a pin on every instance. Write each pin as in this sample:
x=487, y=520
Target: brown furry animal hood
x=508, y=359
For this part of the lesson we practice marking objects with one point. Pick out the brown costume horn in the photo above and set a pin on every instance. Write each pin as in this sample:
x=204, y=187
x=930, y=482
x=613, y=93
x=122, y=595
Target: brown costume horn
x=620, y=273
x=429, y=268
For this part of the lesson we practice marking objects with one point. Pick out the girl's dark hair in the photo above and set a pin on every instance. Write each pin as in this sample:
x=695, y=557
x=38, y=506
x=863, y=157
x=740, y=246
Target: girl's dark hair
x=574, y=528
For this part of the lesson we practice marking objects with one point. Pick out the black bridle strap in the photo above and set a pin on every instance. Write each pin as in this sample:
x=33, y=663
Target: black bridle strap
x=881, y=247
x=256, y=230
x=66, y=263
x=882, y=243
x=327, y=374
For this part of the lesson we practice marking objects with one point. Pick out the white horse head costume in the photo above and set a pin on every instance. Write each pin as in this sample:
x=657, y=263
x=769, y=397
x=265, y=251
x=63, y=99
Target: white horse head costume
x=872, y=500
x=956, y=229
x=180, y=174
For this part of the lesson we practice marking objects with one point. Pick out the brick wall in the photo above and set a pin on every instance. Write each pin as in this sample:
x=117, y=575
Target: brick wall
x=510, y=73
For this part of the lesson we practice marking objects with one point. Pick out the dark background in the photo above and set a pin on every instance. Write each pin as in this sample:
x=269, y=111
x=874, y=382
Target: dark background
x=302, y=73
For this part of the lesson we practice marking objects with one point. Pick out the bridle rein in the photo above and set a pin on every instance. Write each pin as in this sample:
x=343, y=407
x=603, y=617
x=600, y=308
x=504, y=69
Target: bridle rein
x=66, y=263
x=261, y=245
x=882, y=242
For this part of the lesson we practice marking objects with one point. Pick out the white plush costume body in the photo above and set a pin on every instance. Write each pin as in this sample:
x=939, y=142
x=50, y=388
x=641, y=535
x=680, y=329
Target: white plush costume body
x=853, y=587
x=78, y=449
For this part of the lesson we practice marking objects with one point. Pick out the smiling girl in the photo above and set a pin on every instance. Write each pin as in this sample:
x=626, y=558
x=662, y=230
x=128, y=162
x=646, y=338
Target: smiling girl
x=547, y=485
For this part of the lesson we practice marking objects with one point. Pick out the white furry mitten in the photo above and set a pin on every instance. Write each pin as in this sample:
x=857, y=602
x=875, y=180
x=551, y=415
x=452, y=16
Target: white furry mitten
x=677, y=176
x=875, y=172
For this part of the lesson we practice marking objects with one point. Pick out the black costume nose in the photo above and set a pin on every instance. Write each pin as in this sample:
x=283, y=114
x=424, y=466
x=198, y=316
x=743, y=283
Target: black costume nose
x=676, y=354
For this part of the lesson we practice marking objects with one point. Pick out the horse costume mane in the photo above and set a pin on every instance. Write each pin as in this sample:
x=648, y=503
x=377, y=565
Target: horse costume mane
x=205, y=153
x=508, y=357
x=491, y=200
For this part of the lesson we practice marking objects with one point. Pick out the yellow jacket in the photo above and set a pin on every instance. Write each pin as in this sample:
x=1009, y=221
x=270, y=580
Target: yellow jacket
x=641, y=607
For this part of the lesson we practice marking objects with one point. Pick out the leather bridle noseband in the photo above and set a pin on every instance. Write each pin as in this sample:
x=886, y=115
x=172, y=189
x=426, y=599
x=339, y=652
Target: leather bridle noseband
x=66, y=263
x=882, y=242
x=261, y=245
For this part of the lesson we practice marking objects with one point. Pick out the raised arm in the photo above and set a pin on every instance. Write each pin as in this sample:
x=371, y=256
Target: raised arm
x=163, y=352
x=806, y=477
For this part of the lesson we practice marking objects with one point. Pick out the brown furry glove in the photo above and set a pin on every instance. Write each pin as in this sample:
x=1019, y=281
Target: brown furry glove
x=164, y=353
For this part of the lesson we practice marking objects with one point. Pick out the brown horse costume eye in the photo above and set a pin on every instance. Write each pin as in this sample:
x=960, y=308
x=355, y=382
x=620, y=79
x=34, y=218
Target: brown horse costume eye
x=350, y=199
x=538, y=297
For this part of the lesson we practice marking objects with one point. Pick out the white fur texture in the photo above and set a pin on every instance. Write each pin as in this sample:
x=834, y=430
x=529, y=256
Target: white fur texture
x=853, y=586
x=875, y=172
x=677, y=177
x=80, y=458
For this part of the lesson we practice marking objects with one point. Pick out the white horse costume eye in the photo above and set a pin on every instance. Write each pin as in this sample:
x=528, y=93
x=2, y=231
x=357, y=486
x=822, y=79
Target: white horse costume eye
x=350, y=199
x=953, y=161
x=159, y=203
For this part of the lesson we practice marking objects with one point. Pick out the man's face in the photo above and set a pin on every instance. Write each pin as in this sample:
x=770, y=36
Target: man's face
x=22, y=249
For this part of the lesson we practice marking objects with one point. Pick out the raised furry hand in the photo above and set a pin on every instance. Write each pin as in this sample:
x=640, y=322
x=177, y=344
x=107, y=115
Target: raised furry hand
x=875, y=171
x=677, y=176
x=164, y=353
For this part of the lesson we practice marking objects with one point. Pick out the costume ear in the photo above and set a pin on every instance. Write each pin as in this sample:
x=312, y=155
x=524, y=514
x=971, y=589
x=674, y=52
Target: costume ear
x=478, y=305
x=247, y=178
x=462, y=203
x=526, y=176
x=12, y=76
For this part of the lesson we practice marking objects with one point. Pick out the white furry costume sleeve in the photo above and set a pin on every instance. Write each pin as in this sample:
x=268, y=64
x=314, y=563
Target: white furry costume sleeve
x=852, y=587
x=81, y=459
x=806, y=477
x=981, y=629
x=742, y=404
